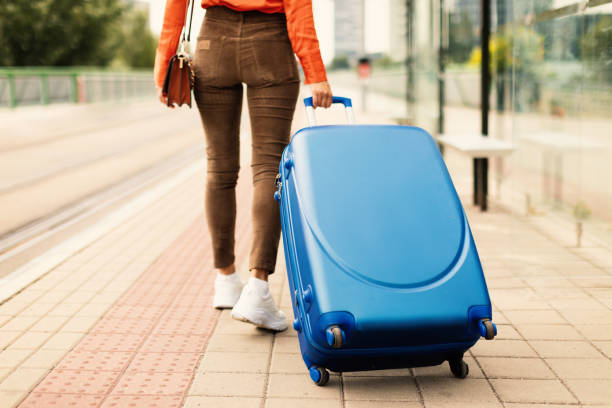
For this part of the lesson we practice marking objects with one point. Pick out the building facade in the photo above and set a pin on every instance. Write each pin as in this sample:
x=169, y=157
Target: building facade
x=349, y=28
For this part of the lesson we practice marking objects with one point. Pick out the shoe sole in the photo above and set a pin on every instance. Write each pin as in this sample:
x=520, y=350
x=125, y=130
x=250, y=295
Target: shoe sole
x=241, y=318
x=223, y=307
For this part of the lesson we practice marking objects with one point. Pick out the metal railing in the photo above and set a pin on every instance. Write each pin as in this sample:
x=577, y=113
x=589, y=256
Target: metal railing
x=44, y=86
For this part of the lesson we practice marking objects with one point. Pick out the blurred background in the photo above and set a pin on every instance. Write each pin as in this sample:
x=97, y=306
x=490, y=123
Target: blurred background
x=80, y=127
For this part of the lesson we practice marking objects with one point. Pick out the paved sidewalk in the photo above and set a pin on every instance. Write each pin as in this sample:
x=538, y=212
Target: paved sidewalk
x=552, y=306
x=127, y=321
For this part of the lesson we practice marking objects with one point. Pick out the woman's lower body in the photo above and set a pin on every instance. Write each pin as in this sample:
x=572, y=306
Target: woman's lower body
x=252, y=48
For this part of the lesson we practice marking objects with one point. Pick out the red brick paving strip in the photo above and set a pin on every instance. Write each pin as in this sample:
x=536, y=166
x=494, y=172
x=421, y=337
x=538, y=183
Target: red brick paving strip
x=145, y=350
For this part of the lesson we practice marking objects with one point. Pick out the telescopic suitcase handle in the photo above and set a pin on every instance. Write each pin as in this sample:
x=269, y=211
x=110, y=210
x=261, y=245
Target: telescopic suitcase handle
x=310, y=111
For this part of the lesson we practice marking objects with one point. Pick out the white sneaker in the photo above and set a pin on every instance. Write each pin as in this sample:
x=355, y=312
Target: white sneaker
x=258, y=309
x=227, y=291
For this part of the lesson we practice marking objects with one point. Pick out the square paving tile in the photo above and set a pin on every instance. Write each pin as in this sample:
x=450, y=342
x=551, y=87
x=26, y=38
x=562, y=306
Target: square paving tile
x=231, y=326
x=22, y=379
x=548, y=332
x=305, y=403
x=13, y=357
x=222, y=402
x=505, y=367
x=564, y=349
x=62, y=341
x=286, y=345
x=507, y=332
x=301, y=386
x=577, y=304
x=528, y=405
x=154, y=383
x=603, y=316
x=592, y=391
x=65, y=310
x=582, y=368
x=49, y=324
x=7, y=337
x=444, y=389
x=532, y=391
x=503, y=348
x=11, y=398
x=288, y=363
x=535, y=317
x=228, y=384
x=488, y=404
x=380, y=389
x=443, y=370
x=4, y=372
x=19, y=323
x=30, y=340
x=234, y=362
x=368, y=404
x=398, y=372
x=44, y=359
x=605, y=347
x=240, y=343
x=37, y=309
x=596, y=332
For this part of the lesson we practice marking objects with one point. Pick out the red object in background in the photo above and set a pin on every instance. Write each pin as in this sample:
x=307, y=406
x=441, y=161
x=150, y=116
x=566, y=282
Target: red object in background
x=364, y=68
x=81, y=90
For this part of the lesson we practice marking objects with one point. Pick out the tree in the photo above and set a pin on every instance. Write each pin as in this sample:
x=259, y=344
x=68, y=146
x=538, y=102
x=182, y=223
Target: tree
x=339, y=62
x=597, y=49
x=59, y=32
x=461, y=37
x=138, y=45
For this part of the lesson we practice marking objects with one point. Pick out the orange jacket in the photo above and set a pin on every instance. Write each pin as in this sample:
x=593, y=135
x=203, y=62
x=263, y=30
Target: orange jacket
x=300, y=25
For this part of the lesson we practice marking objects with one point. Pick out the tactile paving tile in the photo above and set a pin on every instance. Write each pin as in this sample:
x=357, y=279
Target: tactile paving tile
x=124, y=326
x=151, y=312
x=187, y=326
x=144, y=299
x=145, y=349
x=78, y=382
x=96, y=360
x=152, y=384
x=165, y=362
x=44, y=399
x=110, y=342
x=178, y=343
x=142, y=401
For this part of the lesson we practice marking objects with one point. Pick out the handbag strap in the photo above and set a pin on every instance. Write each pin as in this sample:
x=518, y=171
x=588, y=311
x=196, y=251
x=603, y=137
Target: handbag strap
x=187, y=32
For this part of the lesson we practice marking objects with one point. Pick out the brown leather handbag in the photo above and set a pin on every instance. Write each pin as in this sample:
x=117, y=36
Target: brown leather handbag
x=179, y=75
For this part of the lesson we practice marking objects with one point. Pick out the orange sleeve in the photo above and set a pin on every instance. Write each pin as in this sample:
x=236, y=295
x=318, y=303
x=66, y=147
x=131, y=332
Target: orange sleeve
x=303, y=36
x=174, y=19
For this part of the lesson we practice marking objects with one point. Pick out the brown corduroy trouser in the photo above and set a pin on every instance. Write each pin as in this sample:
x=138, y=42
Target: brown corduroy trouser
x=252, y=48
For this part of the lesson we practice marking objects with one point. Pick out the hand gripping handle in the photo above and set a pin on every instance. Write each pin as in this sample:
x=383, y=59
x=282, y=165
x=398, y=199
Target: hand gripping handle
x=348, y=105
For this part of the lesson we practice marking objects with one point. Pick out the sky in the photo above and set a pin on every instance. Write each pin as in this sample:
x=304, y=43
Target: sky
x=377, y=12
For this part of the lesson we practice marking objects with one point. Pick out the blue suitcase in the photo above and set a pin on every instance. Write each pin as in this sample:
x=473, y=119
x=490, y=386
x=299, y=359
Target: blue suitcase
x=380, y=258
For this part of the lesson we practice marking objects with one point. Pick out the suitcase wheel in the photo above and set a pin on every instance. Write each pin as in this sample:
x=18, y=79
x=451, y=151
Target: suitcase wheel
x=459, y=368
x=487, y=329
x=319, y=375
x=334, y=336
